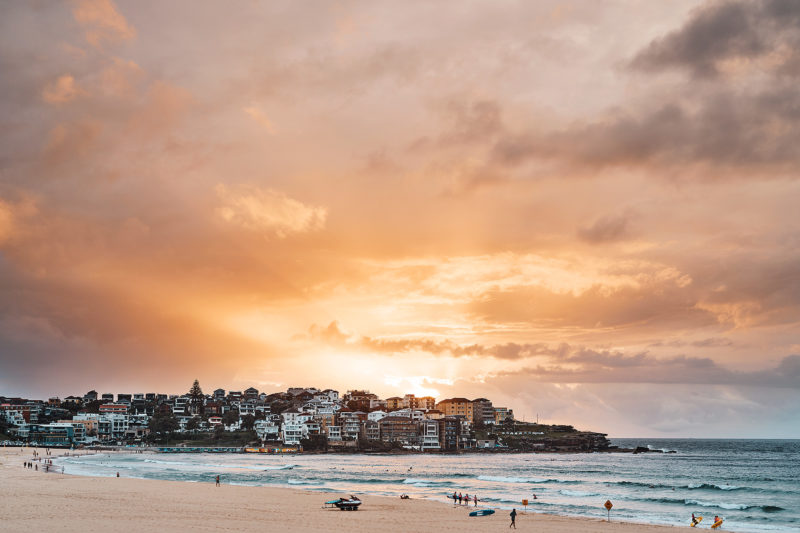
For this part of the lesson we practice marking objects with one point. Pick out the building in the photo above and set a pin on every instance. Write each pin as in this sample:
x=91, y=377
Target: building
x=482, y=411
x=394, y=403
x=114, y=408
x=429, y=435
x=456, y=407
x=376, y=416
x=251, y=393
x=399, y=429
x=372, y=430
x=449, y=433
x=501, y=414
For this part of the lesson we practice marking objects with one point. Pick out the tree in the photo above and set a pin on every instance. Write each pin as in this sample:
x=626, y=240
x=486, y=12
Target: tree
x=315, y=442
x=163, y=424
x=247, y=422
x=196, y=393
x=197, y=398
x=194, y=423
x=231, y=417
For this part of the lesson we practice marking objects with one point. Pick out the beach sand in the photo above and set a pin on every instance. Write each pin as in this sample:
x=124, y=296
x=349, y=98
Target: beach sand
x=33, y=501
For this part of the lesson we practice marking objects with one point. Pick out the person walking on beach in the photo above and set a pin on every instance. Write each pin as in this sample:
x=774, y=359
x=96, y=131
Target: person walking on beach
x=455, y=498
x=217, y=480
x=513, y=515
x=460, y=498
x=475, y=496
x=466, y=499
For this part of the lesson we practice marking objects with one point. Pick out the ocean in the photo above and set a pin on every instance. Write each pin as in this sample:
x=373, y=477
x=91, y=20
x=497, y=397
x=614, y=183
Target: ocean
x=753, y=484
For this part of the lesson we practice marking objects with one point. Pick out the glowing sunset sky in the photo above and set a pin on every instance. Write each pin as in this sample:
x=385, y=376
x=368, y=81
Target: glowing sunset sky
x=586, y=210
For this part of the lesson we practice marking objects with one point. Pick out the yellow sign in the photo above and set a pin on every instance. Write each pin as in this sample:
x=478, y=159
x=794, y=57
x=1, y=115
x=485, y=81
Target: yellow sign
x=609, y=505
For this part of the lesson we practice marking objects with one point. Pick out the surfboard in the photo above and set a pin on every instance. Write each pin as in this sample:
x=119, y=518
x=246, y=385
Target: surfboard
x=482, y=512
x=697, y=520
x=716, y=524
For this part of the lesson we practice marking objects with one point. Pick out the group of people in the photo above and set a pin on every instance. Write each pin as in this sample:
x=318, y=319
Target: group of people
x=696, y=519
x=458, y=498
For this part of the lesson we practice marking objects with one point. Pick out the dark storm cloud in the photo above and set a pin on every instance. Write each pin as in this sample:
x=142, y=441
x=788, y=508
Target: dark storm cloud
x=728, y=30
x=745, y=116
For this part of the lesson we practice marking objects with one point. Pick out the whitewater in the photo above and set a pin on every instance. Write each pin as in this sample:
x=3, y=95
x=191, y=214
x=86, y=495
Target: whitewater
x=753, y=484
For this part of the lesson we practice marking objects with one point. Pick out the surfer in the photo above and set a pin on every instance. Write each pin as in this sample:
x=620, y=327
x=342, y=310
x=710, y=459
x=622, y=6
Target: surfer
x=475, y=496
x=217, y=480
x=513, y=515
x=455, y=498
x=460, y=498
x=695, y=521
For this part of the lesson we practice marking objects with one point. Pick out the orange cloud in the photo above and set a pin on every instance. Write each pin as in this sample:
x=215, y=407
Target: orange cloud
x=268, y=211
x=62, y=90
x=102, y=22
x=261, y=118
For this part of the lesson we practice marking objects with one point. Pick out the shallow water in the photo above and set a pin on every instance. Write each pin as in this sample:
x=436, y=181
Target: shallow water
x=753, y=484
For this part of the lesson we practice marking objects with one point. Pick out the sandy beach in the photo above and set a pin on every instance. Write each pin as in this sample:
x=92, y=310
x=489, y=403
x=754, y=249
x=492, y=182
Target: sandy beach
x=32, y=501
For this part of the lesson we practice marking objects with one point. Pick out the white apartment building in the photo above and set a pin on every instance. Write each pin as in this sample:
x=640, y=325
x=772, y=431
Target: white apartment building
x=429, y=435
x=292, y=433
x=375, y=416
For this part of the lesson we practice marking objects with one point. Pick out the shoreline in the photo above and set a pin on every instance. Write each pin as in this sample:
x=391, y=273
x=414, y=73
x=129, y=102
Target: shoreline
x=31, y=500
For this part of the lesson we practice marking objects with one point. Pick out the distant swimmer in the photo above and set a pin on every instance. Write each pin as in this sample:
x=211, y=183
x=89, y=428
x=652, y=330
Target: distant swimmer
x=534, y=497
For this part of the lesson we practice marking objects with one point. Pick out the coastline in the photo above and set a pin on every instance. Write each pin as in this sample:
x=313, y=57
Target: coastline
x=36, y=501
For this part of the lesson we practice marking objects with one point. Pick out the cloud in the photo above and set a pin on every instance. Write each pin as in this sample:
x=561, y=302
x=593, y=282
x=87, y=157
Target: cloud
x=102, y=23
x=261, y=118
x=614, y=367
x=6, y=221
x=724, y=36
x=565, y=363
x=267, y=211
x=608, y=228
x=739, y=120
x=62, y=90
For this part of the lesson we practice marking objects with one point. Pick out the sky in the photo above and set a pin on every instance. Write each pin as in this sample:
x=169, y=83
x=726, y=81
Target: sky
x=585, y=211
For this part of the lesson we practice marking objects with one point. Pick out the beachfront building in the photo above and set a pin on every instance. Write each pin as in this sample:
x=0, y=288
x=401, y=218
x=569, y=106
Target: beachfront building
x=292, y=433
x=334, y=432
x=429, y=435
x=372, y=430
x=56, y=434
x=456, y=407
x=266, y=430
x=399, y=429
x=482, y=411
x=449, y=432
x=351, y=428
